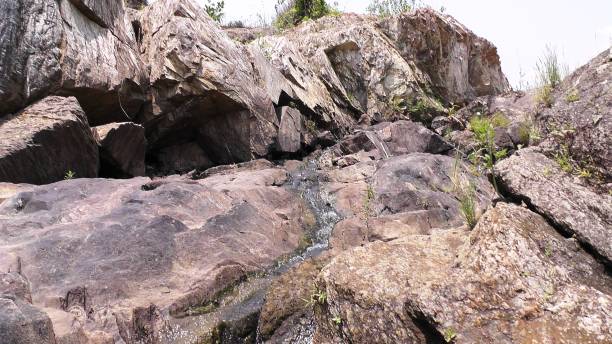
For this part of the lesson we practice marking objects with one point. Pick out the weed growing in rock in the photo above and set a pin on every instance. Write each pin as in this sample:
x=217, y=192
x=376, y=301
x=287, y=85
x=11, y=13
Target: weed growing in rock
x=387, y=8
x=466, y=194
x=69, y=175
x=572, y=96
x=311, y=126
x=449, y=335
x=486, y=153
x=317, y=297
x=562, y=158
x=337, y=320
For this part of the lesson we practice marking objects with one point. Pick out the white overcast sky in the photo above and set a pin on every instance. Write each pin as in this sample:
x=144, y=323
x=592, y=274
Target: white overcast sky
x=520, y=29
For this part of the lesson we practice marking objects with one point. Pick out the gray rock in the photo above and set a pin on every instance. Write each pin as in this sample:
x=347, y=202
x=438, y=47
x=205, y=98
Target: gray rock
x=15, y=285
x=45, y=141
x=22, y=323
x=531, y=176
x=122, y=149
x=204, y=87
x=78, y=47
x=290, y=132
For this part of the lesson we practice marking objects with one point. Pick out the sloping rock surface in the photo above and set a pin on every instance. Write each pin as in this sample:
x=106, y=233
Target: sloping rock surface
x=531, y=176
x=100, y=252
x=48, y=139
x=512, y=279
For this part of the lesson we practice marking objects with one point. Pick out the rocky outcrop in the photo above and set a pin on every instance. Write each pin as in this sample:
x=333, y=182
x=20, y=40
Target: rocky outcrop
x=122, y=149
x=460, y=65
x=202, y=80
x=45, y=142
x=576, y=210
x=106, y=249
x=70, y=47
x=580, y=117
x=512, y=279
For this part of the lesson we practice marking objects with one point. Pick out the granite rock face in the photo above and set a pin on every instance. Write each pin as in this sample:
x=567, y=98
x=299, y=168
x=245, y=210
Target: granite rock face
x=100, y=241
x=122, y=149
x=512, y=279
x=70, y=47
x=577, y=210
x=45, y=141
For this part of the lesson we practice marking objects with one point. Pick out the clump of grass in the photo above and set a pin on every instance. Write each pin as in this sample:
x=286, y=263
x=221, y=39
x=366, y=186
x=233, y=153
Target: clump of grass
x=317, y=297
x=311, y=126
x=550, y=72
x=562, y=158
x=466, y=194
x=486, y=153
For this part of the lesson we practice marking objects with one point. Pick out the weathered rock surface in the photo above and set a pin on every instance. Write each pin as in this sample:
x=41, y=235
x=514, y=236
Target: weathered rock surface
x=46, y=140
x=539, y=181
x=202, y=80
x=105, y=250
x=386, y=69
x=513, y=279
x=580, y=117
x=22, y=323
x=79, y=47
x=122, y=149
x=459, y=64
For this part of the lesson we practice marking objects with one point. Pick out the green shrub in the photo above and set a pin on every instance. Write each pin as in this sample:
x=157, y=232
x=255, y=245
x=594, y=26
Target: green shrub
x=386, y=8
x=290, y=13
x=550, y=72
x=215, y=8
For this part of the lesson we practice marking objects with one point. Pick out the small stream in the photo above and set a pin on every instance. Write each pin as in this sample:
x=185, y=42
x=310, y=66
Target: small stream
x=238, y=311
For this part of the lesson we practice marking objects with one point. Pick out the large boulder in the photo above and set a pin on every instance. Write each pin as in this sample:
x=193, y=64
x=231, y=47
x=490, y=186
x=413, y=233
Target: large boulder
x=122, y=149
x=46, y=141
x=460, y=64
x=575, y=209
x=70, y=47
x=22, y=323
x=513, y=279
x=204, y=87
x=120, y=259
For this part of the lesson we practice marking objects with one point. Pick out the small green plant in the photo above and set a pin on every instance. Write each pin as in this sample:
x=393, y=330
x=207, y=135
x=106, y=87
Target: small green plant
x=214, y=9
x=562, y=158
x=311, y=126
x=387, y=8
x=572, y=96
x=466, y=194
x=544, y=95
x=290, y=13
x=317, y=297
x=337, y=320
x=584, y=172
x=486, y=153
x=499, y=120
x=449, y=335
x=69, y=175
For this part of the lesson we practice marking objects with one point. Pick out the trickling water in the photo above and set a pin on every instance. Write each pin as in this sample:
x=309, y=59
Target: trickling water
x=247, y=298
